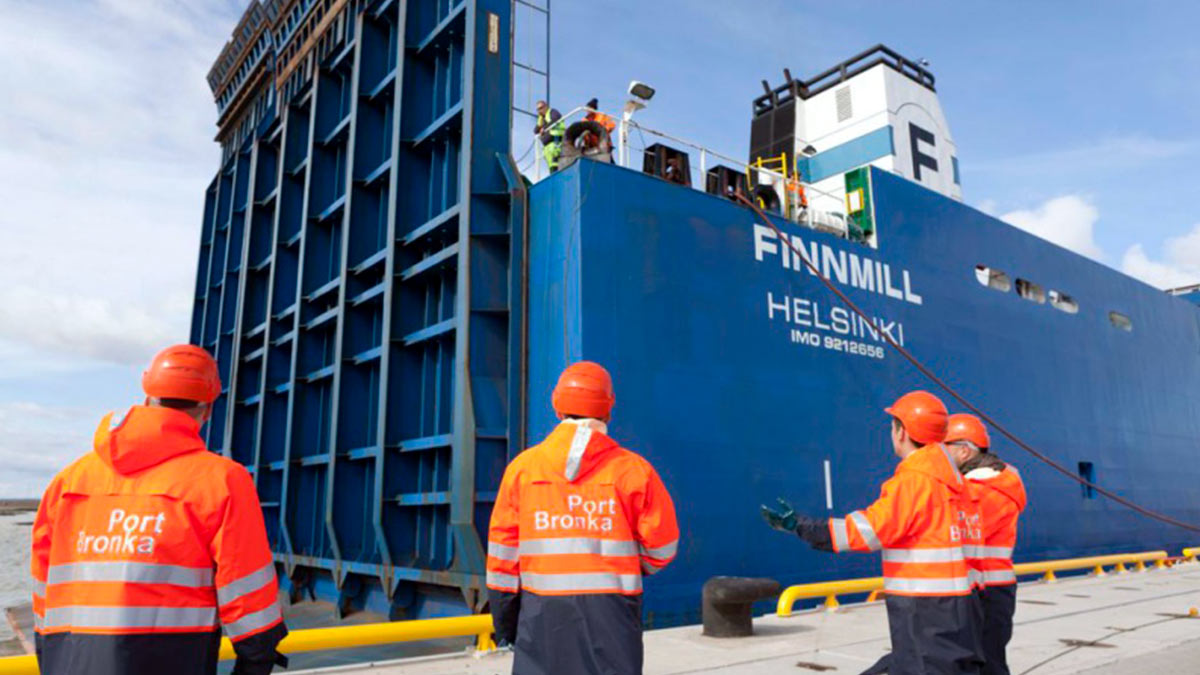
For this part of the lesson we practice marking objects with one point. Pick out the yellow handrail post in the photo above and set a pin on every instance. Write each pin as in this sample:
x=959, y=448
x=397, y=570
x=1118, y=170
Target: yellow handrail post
x=1098, y=571
x=1141, y=566
x=786, y=599
x=485, y=643
x=1049, y=577
x=1160, y=564
x=1119, y=568
x=831, y=603
x=873, y=597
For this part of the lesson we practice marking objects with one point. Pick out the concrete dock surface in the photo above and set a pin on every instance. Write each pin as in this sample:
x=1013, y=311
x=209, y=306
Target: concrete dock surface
x=1128, y=623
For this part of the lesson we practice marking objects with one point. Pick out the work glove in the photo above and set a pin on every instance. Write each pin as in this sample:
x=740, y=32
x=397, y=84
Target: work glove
x=783, y=518
x=813, y=530
x=246, y=667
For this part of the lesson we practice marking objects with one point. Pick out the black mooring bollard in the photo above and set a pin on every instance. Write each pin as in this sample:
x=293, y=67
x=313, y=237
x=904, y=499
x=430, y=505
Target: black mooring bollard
x=726, y=601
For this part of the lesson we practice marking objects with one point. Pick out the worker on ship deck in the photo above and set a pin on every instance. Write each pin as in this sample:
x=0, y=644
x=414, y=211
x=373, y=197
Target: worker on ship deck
x=549, y=129
x=591, y=141
x=578, y=521
x=1001, y=497
x=919, y=524
x=146, y=547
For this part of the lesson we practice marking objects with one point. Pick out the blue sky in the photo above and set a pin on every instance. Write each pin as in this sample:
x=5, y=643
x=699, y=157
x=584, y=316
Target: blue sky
x=1080, y=119
x=1075, y=120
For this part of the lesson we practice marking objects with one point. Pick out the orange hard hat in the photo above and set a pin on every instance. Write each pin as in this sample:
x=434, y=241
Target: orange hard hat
x=922, y=414
x=964, y=427
x=584, y=389
x=184, y=372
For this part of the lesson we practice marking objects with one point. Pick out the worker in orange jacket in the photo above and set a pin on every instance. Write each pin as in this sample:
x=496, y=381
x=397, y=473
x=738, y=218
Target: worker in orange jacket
x=592, y=141
x=578, y=521
x=919, y=523
x=144, y=548
x=1001, y=496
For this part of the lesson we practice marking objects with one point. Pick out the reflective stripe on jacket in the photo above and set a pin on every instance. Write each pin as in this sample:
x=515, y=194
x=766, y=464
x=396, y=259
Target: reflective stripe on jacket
x=148, y=535
x=549, y=127
x=1002, y=498
x=577, y=522
x=918, y=523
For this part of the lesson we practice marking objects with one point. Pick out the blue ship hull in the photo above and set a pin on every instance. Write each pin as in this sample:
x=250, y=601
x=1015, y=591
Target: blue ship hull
x=389, y=313
x=722, y=388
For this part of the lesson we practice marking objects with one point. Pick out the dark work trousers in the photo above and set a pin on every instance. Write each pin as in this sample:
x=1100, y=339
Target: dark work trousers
x=999, y=603
x=598, y=634
x=150, y=654
x=932, y=636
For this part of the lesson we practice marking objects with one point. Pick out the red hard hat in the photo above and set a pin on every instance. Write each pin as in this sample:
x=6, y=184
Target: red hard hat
x=964, y=427
x=584, y=389
x=922, y=414
x=185, y=372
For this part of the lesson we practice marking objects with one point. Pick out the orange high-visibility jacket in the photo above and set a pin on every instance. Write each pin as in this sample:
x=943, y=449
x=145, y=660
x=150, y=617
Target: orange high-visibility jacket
x=605, y=121
x=151, y=535
x=577, y=522
x=1001, y=500
x=921, y=521
x=579, y=514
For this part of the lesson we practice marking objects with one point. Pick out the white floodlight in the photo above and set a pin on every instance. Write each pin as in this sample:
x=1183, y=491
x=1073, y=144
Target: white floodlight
x=641, y=90
x=641, y=93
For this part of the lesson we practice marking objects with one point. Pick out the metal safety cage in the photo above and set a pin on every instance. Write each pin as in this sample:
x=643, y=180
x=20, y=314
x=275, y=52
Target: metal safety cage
x=354, y=286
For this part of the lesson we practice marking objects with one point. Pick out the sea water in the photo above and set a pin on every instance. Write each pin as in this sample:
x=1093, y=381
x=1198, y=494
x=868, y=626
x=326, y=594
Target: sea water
x=15, y=582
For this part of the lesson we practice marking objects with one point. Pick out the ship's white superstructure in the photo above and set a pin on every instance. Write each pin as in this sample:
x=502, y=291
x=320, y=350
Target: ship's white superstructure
x=877, y=108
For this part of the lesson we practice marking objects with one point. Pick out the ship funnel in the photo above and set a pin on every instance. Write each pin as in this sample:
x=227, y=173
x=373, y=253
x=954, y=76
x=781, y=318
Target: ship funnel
x=876, y=108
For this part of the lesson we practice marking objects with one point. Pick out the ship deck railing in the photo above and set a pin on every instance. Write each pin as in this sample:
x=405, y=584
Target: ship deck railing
x=532, y=165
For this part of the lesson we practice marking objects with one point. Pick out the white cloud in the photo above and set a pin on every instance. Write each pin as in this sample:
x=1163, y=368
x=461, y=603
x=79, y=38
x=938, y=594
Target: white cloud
x=38, y=442
x=1068, y=220
x=1179, y=265
x=105, y=152
x=988, y=206
x=90, y=327
x=104, y=157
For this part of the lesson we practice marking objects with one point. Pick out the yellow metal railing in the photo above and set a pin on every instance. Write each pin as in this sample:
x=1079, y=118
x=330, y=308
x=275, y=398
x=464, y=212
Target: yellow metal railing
x=340, y=637
x=874, y=585
x=1047, y=568
x=480, y=625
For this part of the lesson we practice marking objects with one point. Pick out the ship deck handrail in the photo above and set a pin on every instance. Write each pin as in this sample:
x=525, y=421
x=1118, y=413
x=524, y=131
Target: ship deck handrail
x=705, y=153
x=771, y=176
x=874, y=585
